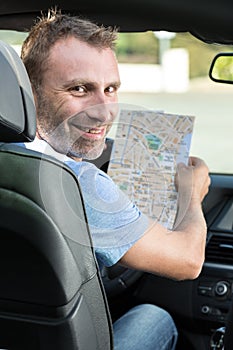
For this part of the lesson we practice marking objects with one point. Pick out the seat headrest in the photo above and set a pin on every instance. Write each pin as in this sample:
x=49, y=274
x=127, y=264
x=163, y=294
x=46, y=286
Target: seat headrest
x=17, y=107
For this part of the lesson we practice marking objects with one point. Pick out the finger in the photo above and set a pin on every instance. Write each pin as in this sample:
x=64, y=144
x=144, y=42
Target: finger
x=194, y=161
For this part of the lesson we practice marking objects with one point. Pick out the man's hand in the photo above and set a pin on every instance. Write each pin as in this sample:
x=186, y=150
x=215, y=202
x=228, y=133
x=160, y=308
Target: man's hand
x=201, y=179
x=192, y=183
x=193, y=179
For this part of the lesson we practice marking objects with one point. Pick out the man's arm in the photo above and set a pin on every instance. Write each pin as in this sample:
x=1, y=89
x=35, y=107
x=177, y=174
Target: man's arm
x=178, y=254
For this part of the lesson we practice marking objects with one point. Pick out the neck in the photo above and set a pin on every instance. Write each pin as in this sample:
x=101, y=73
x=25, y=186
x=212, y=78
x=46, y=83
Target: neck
x=76, y=159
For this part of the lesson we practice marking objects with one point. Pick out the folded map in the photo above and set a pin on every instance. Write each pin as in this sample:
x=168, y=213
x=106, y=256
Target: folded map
x=148, y=146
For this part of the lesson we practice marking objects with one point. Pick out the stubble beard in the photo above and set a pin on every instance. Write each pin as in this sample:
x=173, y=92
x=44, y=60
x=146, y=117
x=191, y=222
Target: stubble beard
x=86, y=150
x=59, y=136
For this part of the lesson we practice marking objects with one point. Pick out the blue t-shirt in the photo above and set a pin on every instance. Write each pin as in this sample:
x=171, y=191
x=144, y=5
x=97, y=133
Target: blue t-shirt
x=115, y=222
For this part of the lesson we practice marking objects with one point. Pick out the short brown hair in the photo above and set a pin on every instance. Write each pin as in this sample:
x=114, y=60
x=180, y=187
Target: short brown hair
x=55, y=26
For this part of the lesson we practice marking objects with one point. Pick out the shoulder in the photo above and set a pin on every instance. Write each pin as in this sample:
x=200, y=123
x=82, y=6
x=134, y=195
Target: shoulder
x=94, y=182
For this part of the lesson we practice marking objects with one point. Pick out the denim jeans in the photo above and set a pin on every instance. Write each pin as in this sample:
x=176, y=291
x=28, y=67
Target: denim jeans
x=145, y=327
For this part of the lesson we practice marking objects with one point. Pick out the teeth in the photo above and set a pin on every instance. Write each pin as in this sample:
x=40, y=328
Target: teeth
x=92, y=131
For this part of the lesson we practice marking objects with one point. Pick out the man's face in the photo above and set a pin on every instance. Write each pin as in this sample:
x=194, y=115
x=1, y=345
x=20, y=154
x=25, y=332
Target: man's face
x=77, y=102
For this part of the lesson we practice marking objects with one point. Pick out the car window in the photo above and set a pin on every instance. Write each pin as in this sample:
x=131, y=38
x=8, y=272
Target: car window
x=169, y=72
x=172, y=75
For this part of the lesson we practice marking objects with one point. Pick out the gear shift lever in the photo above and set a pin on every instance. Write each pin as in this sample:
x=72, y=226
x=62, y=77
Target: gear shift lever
x=228, y=338
x=217, y=339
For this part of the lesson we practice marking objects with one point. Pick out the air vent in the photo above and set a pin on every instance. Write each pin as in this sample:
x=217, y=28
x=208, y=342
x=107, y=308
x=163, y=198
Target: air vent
x=219, y=249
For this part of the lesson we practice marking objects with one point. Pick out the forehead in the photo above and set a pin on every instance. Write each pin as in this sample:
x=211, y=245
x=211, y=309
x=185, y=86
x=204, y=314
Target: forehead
x=72, y=57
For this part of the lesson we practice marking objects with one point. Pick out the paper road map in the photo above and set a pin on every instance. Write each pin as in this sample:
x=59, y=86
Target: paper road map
x=147, y=147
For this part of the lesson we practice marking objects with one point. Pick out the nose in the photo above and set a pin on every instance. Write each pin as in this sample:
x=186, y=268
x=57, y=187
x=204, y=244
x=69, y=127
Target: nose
x=103, y=110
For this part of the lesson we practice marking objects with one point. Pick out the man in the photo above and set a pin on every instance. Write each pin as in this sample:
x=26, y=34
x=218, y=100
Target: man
x=75, y=79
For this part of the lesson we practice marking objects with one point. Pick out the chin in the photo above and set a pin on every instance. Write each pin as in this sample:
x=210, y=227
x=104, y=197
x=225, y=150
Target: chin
x=91, y=154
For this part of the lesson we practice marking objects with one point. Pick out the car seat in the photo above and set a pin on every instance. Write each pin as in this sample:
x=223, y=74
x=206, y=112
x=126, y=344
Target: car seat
x=51, y=294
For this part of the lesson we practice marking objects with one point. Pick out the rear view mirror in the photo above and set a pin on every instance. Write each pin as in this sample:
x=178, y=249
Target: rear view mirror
x=221, y=69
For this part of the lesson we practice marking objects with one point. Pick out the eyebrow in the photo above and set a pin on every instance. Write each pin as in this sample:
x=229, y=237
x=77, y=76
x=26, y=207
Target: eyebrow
x=116, y=84
x=76, y=82
x=88, y=83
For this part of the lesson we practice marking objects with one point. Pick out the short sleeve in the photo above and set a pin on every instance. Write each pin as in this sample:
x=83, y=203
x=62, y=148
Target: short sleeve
x=115, y=222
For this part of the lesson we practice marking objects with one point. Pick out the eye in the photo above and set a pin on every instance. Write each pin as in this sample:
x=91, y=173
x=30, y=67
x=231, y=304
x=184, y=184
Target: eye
x=78, y=90
x=111, y=89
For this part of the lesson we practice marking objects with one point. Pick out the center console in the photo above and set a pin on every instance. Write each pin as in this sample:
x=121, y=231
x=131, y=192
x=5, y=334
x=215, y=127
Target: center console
x=213, y=293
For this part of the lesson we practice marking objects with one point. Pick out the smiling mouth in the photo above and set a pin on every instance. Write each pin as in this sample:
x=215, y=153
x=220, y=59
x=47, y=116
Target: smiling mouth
x=94, y=133
x=91, y=131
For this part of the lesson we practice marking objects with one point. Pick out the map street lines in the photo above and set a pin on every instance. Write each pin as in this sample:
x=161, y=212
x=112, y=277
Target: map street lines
x=147, y=148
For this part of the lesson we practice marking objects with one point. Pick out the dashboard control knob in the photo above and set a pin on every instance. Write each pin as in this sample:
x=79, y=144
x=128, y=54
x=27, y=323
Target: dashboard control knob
x=205, y=309
x=221, y=288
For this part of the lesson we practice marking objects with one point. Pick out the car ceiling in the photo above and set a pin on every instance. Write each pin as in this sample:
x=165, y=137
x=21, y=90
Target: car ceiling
x=209, y=20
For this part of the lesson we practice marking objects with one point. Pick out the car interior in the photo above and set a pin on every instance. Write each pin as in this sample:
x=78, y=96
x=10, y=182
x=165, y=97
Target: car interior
x=52, y=294
x=50, y=280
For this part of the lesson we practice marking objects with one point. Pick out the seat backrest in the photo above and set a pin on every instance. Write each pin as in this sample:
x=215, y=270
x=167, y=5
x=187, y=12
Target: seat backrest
x=51, y=294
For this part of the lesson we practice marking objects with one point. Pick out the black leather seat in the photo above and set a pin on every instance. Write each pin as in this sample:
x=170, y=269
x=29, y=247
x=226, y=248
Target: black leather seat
x=51, y=294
